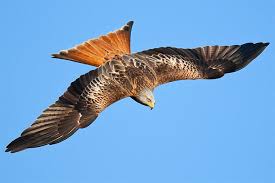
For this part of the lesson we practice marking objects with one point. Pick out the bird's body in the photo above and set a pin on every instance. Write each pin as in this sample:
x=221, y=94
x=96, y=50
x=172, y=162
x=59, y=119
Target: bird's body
x=121, y=74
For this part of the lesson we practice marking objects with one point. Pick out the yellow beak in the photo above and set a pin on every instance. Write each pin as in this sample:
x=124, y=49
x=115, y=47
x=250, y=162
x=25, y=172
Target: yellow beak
x=151, y=105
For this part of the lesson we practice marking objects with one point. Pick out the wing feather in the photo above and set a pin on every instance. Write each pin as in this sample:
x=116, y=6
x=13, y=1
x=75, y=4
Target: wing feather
x=208, y=62
x=77, y=108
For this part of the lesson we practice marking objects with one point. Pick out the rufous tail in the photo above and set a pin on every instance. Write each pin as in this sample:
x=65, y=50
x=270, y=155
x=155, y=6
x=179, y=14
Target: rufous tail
x=97, y=51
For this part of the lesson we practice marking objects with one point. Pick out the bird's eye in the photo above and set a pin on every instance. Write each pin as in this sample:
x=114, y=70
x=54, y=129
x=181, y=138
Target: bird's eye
x=149, y=100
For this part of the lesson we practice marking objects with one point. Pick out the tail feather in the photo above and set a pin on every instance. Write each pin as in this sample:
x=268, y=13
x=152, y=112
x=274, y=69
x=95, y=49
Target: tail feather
x=96, y=51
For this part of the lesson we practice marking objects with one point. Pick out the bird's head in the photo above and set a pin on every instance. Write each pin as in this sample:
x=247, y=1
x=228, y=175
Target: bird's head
x=145, y=97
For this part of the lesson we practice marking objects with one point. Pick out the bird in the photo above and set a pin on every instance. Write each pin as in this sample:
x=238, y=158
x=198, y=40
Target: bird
x=120, y=74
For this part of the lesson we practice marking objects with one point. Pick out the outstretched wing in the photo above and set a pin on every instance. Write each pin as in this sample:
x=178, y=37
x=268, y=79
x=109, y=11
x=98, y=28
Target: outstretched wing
x=97, y=51
x=77, y=108
x=59, y=121
x=208, y=62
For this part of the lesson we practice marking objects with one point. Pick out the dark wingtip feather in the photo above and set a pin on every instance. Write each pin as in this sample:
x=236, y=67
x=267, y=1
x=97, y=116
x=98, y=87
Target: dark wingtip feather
x=16, y=145
x=251, y=50
x=7, y=149
x=57, y=122
x=262, y=44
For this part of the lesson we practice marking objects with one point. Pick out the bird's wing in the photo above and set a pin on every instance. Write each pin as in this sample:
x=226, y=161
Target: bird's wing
x=97, y=51
x=208, y=62
x=77, y=108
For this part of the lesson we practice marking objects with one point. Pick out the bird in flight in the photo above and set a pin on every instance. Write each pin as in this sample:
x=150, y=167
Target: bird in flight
x=122, y=74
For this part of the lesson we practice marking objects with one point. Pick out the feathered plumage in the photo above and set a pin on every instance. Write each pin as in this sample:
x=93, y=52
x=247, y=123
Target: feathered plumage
x=121, y=74
x=97, y=51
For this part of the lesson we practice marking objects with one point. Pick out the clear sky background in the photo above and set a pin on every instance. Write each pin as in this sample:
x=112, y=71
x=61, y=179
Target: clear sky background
x=207, y=131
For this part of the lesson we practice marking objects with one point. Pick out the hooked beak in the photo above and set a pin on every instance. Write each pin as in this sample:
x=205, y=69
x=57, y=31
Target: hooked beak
x=151, y=105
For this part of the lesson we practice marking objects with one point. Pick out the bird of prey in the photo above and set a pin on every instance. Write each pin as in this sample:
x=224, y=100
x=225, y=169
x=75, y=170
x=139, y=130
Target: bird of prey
x=121, y=74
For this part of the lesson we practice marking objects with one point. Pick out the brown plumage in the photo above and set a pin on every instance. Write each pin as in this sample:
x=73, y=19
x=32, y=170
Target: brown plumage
x=121, y=74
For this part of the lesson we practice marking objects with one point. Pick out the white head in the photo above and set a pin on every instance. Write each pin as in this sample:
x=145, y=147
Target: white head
x=145, y=97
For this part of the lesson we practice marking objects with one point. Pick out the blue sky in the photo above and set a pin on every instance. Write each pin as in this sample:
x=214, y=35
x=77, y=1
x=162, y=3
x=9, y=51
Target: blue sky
x=200, y=131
